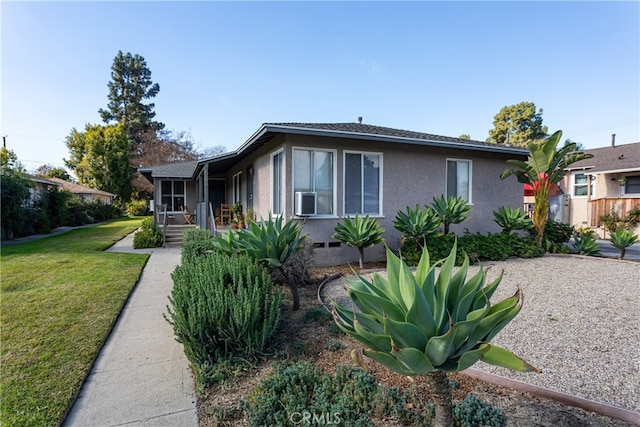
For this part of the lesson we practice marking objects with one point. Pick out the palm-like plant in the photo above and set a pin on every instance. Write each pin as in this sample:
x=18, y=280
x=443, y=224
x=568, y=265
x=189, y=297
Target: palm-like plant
x=359, y=232
x=510, y=219
x=452, y=210
x=585, y=245
x=622, y=239
x=417, y=224
x=275, y=244
x=544, y=166
x=426, y=325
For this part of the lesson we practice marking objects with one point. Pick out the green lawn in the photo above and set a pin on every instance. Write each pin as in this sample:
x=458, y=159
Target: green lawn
x=59, y=298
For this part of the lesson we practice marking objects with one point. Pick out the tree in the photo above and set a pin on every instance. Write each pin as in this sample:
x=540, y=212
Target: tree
x=453, y=210
x=465, y=136
x=100, y=158
x=518, y=125
x=15, y=193
x=420, y=324
x=157, y=147
x=544, y=166
x=130, y=85
x=49, y=171
x=579, y=146
x=213, y=151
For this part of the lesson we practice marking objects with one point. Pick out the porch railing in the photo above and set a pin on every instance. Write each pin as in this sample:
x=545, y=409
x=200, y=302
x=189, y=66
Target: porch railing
x=620, y=206
x=204, y=221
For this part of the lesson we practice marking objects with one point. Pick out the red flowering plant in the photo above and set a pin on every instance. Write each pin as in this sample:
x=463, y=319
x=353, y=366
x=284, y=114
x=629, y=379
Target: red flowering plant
x=544, y=166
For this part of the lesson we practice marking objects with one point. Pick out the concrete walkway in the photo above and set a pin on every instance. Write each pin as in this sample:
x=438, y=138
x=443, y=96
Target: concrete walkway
x=141, y=376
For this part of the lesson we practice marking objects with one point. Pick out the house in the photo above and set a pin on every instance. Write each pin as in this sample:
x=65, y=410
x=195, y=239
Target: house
x=86, y=194
x=317, y=173
x=38, y=187
x=609, y=181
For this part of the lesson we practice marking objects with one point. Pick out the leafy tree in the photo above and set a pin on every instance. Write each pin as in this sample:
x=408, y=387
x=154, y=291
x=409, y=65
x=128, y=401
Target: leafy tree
x=545, y=166
x=157, y=147
x=518, y=125
x=579, y=145
x=423, y=324
x=465, y=136
x=49, y=171
x=130, y=85
x=14, y=189
x=100, y=158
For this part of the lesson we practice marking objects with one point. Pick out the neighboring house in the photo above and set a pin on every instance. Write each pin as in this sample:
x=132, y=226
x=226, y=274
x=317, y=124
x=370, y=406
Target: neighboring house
x=319, y=173
x=85, y=193
x=39, y=186
x=609, y=181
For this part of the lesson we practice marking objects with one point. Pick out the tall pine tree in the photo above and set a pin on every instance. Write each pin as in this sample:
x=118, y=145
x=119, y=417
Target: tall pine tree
x=130, y=85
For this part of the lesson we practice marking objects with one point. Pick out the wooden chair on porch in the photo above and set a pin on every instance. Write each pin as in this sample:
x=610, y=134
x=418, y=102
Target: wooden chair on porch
x=225, y=213
x=188, y=218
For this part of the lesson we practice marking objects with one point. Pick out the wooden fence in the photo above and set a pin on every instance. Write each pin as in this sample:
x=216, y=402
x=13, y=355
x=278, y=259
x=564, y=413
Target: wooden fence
x=620, y=206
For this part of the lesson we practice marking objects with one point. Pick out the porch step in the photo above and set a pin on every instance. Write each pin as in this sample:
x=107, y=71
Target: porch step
x=173, y=238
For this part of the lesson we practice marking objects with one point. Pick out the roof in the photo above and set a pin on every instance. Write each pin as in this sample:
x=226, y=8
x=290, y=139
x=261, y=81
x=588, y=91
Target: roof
x=80, y=189
x=170, y=170
x=42, y=180
x=619, y=158
x=268, y=131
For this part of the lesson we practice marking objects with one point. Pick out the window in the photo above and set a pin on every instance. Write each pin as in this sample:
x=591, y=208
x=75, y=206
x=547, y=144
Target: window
x=173, y=195
x=237, y=183
x=459, y=179
x=313, y=170
x=581, y=184
x=277, y=181
x=362, y=176
x=632, y=186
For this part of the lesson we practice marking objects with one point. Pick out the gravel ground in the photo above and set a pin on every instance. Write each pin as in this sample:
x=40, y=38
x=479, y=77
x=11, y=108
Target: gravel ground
x=580, y=324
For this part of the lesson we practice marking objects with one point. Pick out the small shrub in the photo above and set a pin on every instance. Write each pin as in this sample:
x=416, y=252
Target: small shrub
x=195, y=234
x=222, y=308
x=585, y=232
x=149, y=235
x=333, y=346
x=512, y=219
x=475, y=412
x=556, y=235
x=137, y=208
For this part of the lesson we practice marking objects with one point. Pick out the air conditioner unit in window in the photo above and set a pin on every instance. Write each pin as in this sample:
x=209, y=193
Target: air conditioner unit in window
x=305, y=203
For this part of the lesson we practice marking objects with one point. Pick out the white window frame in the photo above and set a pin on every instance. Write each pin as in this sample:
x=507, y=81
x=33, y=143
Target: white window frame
x=446, y=177
x=344, y=182
x=237, y=188
x=274, y=190
x=589, y=182
x=334, y=178
x=173, y=193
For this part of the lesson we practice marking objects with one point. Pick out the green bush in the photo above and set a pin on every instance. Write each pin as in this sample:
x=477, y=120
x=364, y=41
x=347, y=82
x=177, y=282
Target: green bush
x=479, y=247
x=556, y=235
x=510, y=219
x=222, y=308
x=475, y=412
x=196, y=248
x=349, y=397
x=149, y=235
x=585, y=245
x=137, y=208
x=195, y=234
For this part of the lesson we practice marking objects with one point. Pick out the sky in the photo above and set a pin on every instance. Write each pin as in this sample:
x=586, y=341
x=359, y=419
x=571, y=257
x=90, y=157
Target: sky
x=225, y=68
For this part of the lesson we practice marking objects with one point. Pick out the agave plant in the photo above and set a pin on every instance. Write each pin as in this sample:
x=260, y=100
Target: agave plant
x=453, y=210
x=417, y=224
x=544, y=166
x=275, y=244
x=585, y=245
x=510, y=219
x=622, y=239
x=359, y=232
x=426, y=325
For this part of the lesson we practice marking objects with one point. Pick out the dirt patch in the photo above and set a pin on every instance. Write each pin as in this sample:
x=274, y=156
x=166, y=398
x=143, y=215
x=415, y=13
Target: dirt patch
x=220, y=405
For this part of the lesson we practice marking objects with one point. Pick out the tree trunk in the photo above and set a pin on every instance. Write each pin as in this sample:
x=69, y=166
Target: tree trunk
x=441, y=394
x=623, y=251
x=361, y=260
x=295, y=295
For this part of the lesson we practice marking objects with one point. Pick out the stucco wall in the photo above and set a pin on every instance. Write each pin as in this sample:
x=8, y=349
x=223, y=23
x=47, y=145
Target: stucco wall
x=411, y=175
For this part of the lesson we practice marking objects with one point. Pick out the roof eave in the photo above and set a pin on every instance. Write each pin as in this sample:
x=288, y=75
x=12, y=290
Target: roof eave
x=385, y=138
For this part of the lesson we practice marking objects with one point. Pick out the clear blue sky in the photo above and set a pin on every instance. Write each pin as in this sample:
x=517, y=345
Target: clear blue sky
x=224, y=68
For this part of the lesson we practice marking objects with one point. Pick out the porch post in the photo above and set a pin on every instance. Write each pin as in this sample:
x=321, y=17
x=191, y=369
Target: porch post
x=206, y=196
